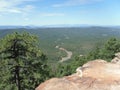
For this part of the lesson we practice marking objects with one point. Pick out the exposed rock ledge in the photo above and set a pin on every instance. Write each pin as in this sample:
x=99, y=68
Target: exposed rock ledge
x=96, y=75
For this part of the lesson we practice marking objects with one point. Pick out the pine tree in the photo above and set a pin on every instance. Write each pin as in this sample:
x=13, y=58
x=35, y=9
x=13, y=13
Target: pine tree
x=23, y=62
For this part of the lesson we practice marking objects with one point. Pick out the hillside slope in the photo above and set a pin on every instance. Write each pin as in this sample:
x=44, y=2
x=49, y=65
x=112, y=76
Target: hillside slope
x=78, y=40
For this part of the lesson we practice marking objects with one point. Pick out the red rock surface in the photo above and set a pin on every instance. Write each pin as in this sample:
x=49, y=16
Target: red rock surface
x=97, y=75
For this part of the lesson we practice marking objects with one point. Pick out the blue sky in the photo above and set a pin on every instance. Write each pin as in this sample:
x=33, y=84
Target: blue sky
x=52, y=12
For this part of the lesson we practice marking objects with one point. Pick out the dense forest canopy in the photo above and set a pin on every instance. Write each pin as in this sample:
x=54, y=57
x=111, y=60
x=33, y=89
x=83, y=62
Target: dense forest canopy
x=79, y=40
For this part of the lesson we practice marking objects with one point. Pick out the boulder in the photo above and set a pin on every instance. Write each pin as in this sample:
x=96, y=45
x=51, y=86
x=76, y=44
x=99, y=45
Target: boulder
x=116, y=59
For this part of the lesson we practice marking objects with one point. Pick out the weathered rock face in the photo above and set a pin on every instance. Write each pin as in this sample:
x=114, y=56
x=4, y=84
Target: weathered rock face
x=116, y=59
x=96, y=75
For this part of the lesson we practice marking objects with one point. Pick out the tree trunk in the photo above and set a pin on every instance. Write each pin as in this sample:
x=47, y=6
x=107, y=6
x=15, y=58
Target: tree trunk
x=17, y=69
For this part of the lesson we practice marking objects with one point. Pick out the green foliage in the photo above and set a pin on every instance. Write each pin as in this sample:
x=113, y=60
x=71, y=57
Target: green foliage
x=20, y=52
x=65, y=69
x=62, y=70
x=94, y=54
x=79, y=40
x=107, y=51
x=111, y=47
x=23, y=65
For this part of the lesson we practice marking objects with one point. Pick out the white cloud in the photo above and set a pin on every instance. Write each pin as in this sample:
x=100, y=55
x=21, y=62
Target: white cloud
x=76, y=2
x=26, y=19
x=14, y=11
x=12, y=6
x=52, y=14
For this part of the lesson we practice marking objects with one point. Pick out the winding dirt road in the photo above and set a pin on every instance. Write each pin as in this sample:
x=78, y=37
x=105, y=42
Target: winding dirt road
x=69, y=55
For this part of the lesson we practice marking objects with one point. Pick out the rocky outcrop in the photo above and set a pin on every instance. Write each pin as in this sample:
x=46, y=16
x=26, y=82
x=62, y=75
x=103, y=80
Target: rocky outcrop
x=94, y=75
x=116, y=59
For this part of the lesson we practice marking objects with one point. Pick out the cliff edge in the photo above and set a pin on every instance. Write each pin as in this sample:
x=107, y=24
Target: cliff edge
x=94, y=75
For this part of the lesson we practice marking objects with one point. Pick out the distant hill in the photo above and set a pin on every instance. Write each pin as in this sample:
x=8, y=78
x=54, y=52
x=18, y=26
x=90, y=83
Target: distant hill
x=66, y=25
x=16, y=27
x=55, y=26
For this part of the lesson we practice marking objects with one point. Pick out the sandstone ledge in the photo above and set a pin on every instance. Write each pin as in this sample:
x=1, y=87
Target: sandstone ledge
x=96, y=75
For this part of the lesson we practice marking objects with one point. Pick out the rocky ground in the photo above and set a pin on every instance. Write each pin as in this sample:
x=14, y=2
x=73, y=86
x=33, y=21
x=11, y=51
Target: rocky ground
x=95, y=75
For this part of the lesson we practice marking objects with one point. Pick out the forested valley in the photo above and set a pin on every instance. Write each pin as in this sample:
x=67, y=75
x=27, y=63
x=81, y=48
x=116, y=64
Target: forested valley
x=25, y=61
